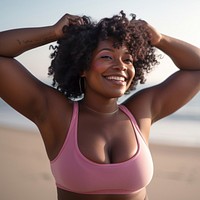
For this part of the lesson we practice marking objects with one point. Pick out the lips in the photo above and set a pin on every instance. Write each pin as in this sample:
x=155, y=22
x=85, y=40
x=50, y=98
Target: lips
x=116, y=78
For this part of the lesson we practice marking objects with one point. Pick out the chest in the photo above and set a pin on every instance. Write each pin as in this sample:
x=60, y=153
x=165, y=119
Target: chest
x=106, y=140
x=111, y=144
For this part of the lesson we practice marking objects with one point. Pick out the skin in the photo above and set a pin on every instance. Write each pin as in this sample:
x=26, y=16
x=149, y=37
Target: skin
x=148, y=105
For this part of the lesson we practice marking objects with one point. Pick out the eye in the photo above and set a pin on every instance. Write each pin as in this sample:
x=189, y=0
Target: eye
x=128, y=60
x=106, y=57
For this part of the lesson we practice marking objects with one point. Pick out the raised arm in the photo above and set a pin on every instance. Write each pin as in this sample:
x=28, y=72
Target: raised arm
x=18, y=87
x=16, y=41
x=179, y=88
x=184, y=55
x=163, y=99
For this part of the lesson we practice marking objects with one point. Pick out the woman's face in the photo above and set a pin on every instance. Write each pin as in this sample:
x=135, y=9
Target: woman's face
x=111, y=71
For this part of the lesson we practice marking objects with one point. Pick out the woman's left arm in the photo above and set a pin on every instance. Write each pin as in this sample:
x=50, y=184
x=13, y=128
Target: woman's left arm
x=181, y=86
x=184, y=55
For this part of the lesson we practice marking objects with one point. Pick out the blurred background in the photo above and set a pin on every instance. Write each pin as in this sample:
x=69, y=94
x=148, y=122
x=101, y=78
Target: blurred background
x=176, y=18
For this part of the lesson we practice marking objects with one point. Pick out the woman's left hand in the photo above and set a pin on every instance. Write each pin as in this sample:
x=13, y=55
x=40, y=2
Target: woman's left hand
x=155, y=35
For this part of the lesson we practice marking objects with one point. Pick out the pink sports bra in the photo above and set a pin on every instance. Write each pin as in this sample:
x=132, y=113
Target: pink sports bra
x=74, y=172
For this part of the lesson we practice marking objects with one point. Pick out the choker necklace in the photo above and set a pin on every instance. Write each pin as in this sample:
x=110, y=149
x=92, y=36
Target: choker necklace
x=101, y=113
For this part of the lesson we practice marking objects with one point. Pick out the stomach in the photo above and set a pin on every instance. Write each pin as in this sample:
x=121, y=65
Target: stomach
x=66, y=195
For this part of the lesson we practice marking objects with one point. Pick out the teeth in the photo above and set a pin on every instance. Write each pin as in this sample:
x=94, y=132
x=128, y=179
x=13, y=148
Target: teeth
x=116, y=78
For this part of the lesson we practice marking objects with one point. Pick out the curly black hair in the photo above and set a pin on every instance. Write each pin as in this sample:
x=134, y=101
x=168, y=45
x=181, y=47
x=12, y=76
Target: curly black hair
x=73, y=53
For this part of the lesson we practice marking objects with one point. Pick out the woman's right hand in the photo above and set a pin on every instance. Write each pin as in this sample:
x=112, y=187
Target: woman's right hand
x=67, y=20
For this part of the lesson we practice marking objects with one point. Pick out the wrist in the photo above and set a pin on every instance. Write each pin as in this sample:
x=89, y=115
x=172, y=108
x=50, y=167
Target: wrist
x=161, y=42
x=58, y=32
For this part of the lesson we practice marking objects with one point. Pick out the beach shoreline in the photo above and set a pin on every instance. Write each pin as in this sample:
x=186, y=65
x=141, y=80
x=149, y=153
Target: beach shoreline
x=25, y=171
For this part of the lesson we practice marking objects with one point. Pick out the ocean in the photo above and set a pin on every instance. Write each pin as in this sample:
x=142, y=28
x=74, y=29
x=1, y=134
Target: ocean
x=181, y=128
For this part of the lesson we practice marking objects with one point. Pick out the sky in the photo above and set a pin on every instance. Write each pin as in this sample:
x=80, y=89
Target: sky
x=180, y=19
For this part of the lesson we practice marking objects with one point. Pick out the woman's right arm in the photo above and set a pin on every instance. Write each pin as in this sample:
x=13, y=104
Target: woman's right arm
x=15, y=42
x=19, y=88
x=44, y=106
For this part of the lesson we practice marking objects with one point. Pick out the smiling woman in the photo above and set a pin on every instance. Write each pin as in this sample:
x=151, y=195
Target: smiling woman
x=97, y=148
x=112, y=67
x=118, y=31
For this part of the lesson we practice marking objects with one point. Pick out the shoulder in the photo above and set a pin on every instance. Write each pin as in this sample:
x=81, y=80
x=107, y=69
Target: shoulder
x=140, y=105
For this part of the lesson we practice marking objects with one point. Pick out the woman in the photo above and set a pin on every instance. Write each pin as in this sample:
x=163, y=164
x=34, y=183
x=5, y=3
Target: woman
x=97, y=148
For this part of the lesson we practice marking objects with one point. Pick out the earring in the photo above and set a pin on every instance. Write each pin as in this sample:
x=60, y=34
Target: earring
x=80, y=82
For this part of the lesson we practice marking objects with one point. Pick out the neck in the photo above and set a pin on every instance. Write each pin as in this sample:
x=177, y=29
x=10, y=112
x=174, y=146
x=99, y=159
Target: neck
x=99, y=104
x=115, y=110
x=103, y=107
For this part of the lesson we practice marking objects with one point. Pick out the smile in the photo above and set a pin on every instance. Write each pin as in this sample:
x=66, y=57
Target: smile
x=116, y=79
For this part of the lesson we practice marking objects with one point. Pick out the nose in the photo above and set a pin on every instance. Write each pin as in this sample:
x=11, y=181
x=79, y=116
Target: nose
x=120, y=65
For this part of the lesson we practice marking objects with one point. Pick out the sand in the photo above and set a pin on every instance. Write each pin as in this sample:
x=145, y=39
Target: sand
x=25, y=171
x=177, y=173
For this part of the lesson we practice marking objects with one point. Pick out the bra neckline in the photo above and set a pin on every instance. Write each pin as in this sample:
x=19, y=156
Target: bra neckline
x=87, y=160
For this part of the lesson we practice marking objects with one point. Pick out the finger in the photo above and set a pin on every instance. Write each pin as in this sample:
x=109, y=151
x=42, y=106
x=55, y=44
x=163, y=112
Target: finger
x=80, y=21
x=76, y=21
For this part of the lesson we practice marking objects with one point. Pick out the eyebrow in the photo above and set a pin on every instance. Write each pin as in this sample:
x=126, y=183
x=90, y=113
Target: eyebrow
x=105, y=49
x=109, y=49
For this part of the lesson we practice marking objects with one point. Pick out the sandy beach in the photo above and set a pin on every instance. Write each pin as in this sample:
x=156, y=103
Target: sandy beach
x=25, y=171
